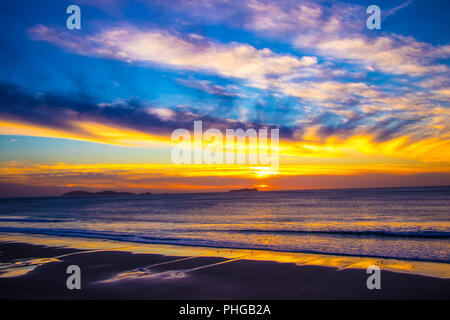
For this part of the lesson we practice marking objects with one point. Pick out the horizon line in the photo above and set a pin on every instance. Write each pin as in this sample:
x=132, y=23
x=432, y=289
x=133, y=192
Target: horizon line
x=258, y=190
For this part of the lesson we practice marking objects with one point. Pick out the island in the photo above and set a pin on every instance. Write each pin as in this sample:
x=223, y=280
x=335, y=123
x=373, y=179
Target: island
x=244, y=190
x=102, y=193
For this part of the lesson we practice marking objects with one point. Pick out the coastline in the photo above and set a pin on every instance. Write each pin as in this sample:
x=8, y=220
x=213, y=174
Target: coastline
x=119, y=270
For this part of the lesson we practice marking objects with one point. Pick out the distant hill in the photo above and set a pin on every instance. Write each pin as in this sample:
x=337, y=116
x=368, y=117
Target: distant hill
x=244, y=190
x=102, y=193
x=77, y=193
x=113, y=193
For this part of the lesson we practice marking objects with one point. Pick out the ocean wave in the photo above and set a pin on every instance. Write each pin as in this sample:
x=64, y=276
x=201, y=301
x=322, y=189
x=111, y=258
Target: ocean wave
x=364, y=233
x=86, y=234
x=139, y=238
x=30, y=220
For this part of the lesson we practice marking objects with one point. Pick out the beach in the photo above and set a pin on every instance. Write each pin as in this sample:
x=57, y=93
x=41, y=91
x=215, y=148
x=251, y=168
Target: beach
x=116, y=270
x=315, y=244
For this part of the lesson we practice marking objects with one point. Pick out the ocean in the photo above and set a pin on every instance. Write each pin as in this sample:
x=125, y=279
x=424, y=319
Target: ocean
x=400, y=223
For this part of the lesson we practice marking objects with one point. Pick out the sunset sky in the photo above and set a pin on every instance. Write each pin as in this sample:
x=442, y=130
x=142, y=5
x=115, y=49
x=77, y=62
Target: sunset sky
x=95, y=108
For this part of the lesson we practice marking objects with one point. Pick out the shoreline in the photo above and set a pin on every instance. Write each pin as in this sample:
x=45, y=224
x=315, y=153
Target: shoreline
x=60, y=234
x=423, y=268
x=35, y=268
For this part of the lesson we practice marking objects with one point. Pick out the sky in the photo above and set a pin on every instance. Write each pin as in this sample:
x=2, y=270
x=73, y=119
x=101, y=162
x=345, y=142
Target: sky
x=94, y=108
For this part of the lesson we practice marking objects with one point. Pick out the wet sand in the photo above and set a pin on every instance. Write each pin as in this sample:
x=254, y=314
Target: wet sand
x=27, y=273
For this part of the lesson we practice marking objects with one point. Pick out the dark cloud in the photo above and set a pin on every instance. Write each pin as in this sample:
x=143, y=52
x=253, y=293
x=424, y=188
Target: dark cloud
x=60, y=112
x=392, y=127
x=380, y=126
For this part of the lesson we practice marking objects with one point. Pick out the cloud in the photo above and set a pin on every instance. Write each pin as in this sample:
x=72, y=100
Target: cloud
x=326, y=90
x=259, y=68
x=190, y=52
x=335, y=30
x=211, y=87
x=396, y=9
x=390, y=54
x=163, y=113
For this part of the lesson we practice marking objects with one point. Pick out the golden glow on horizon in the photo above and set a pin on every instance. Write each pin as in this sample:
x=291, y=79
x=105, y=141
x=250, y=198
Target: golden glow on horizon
x=179, y=177
x=353, y=148
x=358, y=154
x=87, y=131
